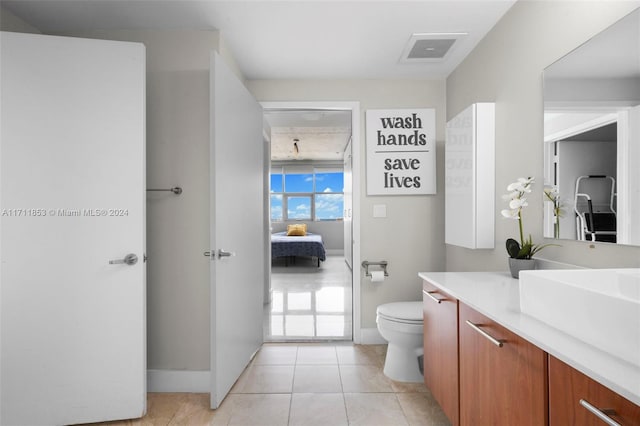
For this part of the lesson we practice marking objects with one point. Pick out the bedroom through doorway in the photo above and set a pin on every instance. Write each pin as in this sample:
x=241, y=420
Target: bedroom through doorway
x=310, y=198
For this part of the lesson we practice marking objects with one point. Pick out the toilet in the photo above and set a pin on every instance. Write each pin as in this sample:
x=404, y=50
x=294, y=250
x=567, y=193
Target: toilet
x=400, y=324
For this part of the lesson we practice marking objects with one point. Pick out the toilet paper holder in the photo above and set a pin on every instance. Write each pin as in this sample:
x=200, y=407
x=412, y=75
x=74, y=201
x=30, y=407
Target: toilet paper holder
x=382, y=264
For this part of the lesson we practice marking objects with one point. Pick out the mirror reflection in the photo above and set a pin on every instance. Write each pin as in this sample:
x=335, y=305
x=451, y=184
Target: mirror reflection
x=592, y=139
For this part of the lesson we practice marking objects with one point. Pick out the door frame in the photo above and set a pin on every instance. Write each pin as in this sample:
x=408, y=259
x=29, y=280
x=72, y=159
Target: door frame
x=354, y=107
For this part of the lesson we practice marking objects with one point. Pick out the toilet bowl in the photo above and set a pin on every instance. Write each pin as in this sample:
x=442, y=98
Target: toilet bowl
x=400, y=324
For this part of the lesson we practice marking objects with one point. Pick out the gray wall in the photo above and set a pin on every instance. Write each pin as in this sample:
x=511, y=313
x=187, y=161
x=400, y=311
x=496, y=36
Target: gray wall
x=10, y=22
x=506, y=67
x=411, y=237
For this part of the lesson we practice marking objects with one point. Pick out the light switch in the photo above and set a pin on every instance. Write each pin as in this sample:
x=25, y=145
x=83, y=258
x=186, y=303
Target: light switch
x=379, y=210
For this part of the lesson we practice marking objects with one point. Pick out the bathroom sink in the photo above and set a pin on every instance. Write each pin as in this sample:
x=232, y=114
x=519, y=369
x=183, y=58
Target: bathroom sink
x=601, y=307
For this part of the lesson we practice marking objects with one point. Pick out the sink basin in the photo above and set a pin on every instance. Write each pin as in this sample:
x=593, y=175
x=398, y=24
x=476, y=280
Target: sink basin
x=601, y=307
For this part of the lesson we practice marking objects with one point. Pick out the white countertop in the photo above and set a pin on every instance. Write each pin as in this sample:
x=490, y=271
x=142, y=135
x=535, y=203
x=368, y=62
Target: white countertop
x=497, y=296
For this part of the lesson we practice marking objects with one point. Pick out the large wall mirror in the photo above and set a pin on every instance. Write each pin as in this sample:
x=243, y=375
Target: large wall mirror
x=592, y=139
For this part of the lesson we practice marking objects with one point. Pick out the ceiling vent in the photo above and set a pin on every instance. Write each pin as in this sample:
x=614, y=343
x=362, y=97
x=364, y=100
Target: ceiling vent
x=429, y=47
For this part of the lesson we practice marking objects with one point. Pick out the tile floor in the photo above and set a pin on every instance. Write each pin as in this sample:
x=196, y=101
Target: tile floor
x=305, y=384
x=309, y=303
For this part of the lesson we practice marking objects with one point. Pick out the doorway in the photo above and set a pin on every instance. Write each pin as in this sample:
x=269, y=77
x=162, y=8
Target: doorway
x=311, y=162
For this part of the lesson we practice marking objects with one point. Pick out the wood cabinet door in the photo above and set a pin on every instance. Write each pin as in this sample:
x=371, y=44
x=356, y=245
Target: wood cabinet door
x=503, y=382
x=441, y=349
x=568, y=386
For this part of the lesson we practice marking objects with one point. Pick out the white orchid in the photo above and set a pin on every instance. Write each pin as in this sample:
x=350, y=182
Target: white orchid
x=516, y=198
x=517, y=201
x=522, y=185
x=553, y=195
x=510, y=214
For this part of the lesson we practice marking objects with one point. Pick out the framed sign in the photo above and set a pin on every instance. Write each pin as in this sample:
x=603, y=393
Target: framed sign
x=401, y=151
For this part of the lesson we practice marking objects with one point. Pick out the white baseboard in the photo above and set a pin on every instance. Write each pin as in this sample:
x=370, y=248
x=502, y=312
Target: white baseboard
x=178, y=381
x=371, y=336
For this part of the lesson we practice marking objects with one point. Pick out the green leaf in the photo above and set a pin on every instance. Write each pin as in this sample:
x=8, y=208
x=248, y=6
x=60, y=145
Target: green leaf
x=513, y=248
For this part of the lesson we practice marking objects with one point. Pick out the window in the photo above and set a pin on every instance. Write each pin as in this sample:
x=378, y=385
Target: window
x=329, y=196
x=307, y=193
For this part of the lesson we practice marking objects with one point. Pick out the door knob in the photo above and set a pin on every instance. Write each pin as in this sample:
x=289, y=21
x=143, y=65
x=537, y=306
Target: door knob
x=130, y=259
x=222, y=253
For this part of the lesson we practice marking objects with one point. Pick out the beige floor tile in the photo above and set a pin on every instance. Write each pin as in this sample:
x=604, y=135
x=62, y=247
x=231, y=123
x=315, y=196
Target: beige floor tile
x=276, y=354
x=253, y=410
x=421, y=409
x=358, y=354
x=380, y=350
x=374, y=409
x=405, y=387
x=364, y=378
x=239, y=384
x=171, y=409
x=275, y=391
x=194, y=411
x=316, y=379
x=325, y=409
x=161, y=407
x=267, y=379
x=312, y=354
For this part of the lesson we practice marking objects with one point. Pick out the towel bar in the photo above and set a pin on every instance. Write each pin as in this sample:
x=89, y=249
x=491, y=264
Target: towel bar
x=177, y=190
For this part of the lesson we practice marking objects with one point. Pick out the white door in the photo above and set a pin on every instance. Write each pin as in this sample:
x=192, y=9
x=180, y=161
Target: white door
x=348, y=206
x=237, y=228
x=72, y=199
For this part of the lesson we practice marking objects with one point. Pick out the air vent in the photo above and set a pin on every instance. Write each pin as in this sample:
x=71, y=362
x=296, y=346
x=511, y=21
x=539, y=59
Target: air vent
x=429, y=47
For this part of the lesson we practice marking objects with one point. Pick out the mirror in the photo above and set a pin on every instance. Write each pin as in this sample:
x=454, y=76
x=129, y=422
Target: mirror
x=592, y=139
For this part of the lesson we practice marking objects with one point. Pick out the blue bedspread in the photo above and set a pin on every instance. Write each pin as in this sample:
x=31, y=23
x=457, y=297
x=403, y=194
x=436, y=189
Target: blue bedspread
x=309, y=245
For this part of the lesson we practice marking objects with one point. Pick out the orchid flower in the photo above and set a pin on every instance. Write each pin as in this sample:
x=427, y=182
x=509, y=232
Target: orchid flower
x=517, y=201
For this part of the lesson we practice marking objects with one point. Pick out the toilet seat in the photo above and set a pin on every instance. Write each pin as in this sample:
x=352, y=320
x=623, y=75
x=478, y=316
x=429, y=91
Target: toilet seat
x=401, y=312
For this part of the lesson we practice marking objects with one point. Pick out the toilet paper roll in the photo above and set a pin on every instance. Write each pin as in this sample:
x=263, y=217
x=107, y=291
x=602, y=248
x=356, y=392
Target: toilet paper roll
x=377, y=276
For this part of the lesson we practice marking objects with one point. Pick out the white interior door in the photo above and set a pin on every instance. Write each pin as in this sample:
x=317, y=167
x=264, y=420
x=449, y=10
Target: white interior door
x=72, y=198
x=348, y=206
x=237, y=227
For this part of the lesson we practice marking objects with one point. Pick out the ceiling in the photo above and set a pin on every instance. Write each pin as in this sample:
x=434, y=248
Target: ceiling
x=613, y=53
x=303, y=39
x=317, y=134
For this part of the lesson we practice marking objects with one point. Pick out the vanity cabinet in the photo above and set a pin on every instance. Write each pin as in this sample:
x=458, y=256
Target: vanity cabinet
x=481, y=373
x=441, y=349
x=575, y=399
x=503, y=378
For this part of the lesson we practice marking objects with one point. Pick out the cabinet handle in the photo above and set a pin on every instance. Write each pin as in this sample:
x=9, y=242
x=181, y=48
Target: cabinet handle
x=601, y=414
x=431, y=296
x=492, y=339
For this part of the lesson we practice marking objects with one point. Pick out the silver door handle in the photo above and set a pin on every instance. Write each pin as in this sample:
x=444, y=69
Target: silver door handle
x=431, y=296
x=476, y=327
x=130, y=259
x=222, y=253
x=601, y=414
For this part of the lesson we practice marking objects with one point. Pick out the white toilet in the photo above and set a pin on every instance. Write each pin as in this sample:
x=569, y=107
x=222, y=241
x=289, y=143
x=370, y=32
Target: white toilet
x=400, y=323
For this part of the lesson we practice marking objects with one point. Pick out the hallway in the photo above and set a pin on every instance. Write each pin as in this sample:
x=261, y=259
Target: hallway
x=309, y=303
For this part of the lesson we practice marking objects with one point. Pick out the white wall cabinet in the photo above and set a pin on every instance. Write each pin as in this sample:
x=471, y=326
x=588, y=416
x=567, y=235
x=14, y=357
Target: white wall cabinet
x=470, y=178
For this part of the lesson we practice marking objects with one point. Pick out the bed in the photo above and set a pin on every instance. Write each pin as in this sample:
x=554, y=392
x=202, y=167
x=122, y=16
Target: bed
x=292, y=246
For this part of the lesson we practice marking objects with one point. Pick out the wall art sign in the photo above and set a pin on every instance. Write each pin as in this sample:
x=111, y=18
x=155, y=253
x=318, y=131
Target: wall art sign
x=401, y=151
